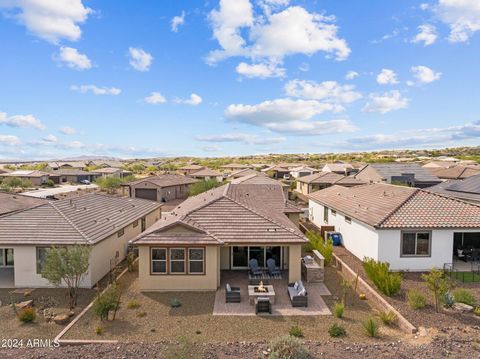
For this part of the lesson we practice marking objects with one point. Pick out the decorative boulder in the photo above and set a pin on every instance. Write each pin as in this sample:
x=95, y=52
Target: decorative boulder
x=25, y=304
x=61, y=319
x=462, y=307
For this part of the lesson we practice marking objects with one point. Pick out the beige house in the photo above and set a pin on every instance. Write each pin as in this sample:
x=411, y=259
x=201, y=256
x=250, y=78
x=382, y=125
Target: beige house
x=260, y=178
x=232, y=167
x=36, y=177
x=186, y=170
x=220, y=230
x=106, y=223
x=321, y=180
x=207, y=174
x=113, y=172
x=72, y=175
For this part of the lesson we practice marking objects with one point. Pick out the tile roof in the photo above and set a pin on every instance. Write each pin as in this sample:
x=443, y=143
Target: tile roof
x=338, y=167
x=455, y=172
x=10, y=202
x=258, y=178
x=390, y=206
x=72, y=172
x=387, y=170
x=25, y=173
x=165, y=180
x=205, y=172
x=321, y=178
x=191, y=167
x=467, y=189
x=231, y=214
x=244, y=172
x=85, y=219
x=109, y=170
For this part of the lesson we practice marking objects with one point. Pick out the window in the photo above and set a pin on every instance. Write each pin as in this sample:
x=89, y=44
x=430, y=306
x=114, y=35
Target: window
x=159, y=260
x=177, y=260
x=348, y=219
x=135, y=224
x=195, y=260
x=334, y=213
x=120, y=233
x=41, y=256
x=415, y=244
x=6, y=257
x=325, y=214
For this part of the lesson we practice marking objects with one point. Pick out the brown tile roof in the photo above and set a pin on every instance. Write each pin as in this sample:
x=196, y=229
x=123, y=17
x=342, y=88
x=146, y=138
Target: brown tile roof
x=231, y=214
x=85, y=219
x=456, y=172
x=10, y=202
x=321, y=178
x=165, y=180
x=205, y=172
x=244, y=172
x=72, y=172
x=191, y=167
x=349, y=181
x=24, y=173
x=108, y=170
x=258, y=178
x=389, y=206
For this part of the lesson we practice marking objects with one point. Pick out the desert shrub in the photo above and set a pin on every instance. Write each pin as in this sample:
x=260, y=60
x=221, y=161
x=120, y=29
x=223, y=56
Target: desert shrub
x=202, y=186
x=50, y=183
x=316, y=241
x=476, y=311
x=109, y=184
x=133, y=304
x=387, y=317
x=336, y=330
x=131, y=261
x=339, y=309
x=175, y=303
x=448, y=300
x=27, y=315
x=288, y=347
x=296, y=331
x=464, y=296
x=379, y=273
x=438, y=284
x=99, y=330
x=141, y=314
x=107, y=302
x=416, y=300
x=371, y=327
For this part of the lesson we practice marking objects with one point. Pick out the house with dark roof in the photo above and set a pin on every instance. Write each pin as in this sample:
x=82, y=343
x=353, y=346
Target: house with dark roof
x=162, y=188
x=467, y=189
x=321, y=180
x=14, y=202
x=221, y=229
x=407, y=174
x=106, y=223
x=410, y=228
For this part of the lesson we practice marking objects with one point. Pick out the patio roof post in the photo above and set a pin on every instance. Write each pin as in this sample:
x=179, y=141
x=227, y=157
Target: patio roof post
x=294, y=263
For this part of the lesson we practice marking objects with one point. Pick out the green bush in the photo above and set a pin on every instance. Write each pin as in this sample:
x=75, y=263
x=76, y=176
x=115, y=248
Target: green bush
x=465, y=296
x=109, y=184
x=336, y=330
x=476, y=311
x=202, y=186
x=316, y=241
x=175, y=303
x=296, y=331
x=99, y=330
x=141, y=314
x=416, y=300
x=371, y=327
x=387, y=317
x=107, y=302
x=339, y=309
x=288, y=347
x=27, y=315
x=133, y=304
x=379, y=273
x=448, y=300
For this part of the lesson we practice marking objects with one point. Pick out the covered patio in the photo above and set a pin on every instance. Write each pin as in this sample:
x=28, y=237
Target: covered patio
x=282, y=305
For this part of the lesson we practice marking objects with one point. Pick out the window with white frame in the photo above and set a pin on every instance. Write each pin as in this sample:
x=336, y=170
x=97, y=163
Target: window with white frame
x=177, y=260
x=159, y=260
x=196, y=259
x=416, y=244
x=325, y=214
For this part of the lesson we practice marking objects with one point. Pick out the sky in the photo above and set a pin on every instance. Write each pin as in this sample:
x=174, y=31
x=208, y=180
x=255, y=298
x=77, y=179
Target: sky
x=236, y=77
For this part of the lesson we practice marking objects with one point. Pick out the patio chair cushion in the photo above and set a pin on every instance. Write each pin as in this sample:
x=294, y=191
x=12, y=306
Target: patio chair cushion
x=302, y=292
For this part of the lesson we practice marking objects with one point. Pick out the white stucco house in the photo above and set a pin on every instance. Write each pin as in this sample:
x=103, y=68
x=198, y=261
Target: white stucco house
x=106, y=223
x=410, y=228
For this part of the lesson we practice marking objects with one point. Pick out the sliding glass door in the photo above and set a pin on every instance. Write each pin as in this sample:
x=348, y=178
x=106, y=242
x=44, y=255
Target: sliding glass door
x=6, y=257
x=241, y=255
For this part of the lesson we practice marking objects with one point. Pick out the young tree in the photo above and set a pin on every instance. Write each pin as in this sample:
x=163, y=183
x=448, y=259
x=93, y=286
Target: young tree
x=110, y=184
x=437, y=284
x=67, y=265
x=202, y=186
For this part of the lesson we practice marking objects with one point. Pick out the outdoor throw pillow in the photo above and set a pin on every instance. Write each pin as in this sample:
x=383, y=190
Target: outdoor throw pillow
x=303, y=292
x=295, y=286
x=229, y=289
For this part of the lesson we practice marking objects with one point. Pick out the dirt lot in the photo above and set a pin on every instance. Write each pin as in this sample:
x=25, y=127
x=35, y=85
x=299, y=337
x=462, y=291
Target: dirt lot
x=156, y=321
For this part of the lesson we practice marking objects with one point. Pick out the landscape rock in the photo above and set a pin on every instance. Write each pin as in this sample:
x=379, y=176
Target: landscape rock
x=462, y=307
x=25, y=304
x=61, y=319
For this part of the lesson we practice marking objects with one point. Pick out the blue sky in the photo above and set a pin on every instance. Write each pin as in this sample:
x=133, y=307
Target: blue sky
x=236, y=77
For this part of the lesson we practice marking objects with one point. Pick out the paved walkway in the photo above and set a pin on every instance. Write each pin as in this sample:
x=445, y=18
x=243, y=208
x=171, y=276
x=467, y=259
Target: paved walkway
x=44, y=192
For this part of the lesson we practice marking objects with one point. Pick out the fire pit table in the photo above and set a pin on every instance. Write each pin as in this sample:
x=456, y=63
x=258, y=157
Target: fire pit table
x=254, y=292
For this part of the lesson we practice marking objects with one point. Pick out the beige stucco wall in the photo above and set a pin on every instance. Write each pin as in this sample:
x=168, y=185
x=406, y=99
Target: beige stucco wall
x=168, y=193
x=225, y=258
x=294, y=217
x=294, y=260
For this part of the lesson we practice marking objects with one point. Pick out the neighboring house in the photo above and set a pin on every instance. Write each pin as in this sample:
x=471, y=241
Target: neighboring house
x=411, y=174
x=207, y=174
x=321, y=180
x=106, y=223
x=276, y=171
x=113, y=172
x=303, y=171
x=410, y=228
x=13, y=202
x=105, y=164
x=36, y=177
x=455, y=172
x=72, y=175
x=437, y=164
x=259, y=178
x=57, y=165
x=162, y=188
x=344, y=169
x=243, y=173
x=467, y=189
x=186, y=170
x=221, y=229
x=235, y=167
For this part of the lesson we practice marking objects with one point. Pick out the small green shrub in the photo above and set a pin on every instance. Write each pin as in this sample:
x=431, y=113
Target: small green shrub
x=141, y=314
x=27, y=315
x=339, y=309
x=387, y=317
x=133, y=304
x=476, y=311
x=464, y=296
x=336, y=330
x=107, y=302
x=416, y=300
x=448, y=300
x=175, y=303
x=296, y=331
x=288, y=347
x=371, y=328
x=379, y=273
x=99, y=330
x=316, y=241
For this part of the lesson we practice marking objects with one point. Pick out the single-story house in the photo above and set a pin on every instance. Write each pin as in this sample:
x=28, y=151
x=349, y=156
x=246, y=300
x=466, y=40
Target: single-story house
x=243, y=173
x=303, y=171
x=72, y=175
x=344, y=169
x=113, y=172
x=276, y=172
x=36, y=177
x=14, y=202
x=219, y=230
x=454, y=172
x=467, y=189
x=105, y=163
x=438, y=164
x=57, y=165
x=186, y=170
x=260, y=178
x=321, y=180
x=162, y=188
x=106, y=223
x=410, y=228
x=410, y=174
x=231, y=167
x=207, y=174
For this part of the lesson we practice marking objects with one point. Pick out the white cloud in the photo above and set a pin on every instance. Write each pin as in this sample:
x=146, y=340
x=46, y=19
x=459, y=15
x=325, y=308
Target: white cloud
x=194, y=100
x=155, y=98
x=9, y=140
x=424, y=6
x=74, y=59
x=177, y=21
x=304, y=67
x=212, y=148
x=427, y=34
x=49, y=19
x=74, y=145
x=386, y=102
x=262, y=70
x=289, y=116
x=424, y=74
x=462, y=16
x=50, y=138
x=21, y=121
x=247, y=138
x=139, y=59
x=387, y=77
x=351, y=75
x=69, y=131
x=272, y=36
x=327, y=91
x=96, y=90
